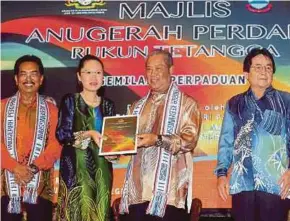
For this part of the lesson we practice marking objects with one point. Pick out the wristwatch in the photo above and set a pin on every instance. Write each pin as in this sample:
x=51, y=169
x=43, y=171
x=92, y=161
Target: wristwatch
x=34, y=169
x=159, y=141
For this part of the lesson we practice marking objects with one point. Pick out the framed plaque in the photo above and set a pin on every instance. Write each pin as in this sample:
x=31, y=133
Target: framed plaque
x=119, y=135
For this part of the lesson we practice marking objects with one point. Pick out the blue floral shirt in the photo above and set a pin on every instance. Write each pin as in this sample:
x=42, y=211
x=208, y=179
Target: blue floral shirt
x=255, y=140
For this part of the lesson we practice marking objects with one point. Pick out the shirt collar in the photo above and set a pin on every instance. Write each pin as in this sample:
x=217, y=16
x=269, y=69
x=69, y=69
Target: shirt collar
x=33, y=103
x=269, y=91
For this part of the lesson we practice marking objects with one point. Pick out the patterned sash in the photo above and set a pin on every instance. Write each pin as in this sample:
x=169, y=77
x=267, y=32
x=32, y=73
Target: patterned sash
x=169, y=125
x=10, y=122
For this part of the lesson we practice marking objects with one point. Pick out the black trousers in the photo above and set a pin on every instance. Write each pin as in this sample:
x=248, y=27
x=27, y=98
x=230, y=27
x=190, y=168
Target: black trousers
x=259, y=206
x=42, y=211
x=137, y=212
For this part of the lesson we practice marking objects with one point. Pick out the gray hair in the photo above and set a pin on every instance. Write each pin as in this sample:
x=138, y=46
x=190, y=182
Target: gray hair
x=167, y=57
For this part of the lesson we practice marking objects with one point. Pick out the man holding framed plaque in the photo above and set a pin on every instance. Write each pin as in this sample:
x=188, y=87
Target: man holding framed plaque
x=158, y=184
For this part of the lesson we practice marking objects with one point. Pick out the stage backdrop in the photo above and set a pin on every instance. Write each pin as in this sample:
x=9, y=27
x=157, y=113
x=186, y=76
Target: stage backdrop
x=208, y=40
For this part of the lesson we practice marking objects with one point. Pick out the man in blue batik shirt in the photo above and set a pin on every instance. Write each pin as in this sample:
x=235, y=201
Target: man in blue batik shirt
x=255, y=141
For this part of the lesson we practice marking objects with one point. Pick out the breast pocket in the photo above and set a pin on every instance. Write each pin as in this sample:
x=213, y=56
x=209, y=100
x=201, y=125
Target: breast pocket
x=273, y=122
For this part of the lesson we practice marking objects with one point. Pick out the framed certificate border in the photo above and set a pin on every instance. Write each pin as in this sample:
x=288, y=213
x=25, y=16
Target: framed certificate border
x=102, y=152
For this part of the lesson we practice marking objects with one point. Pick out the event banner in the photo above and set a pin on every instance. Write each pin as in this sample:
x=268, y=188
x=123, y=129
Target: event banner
x=208, y=41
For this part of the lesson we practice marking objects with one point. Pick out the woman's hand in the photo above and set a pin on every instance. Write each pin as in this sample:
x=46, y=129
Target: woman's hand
x=112, y=159
x=83, y=138
x=95, y=135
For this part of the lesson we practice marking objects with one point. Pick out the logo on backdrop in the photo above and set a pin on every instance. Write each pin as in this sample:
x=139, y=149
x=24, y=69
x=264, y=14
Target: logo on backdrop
x=84, y=7
x=84, y=4
x=259, y=6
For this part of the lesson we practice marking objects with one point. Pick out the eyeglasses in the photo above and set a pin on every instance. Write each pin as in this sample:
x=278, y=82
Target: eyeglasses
x=91, y=72
x=261, y=68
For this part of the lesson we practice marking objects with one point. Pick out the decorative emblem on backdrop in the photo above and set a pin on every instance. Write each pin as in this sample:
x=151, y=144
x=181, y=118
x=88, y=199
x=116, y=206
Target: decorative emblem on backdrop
x=84, y=7
x=84, y=4
x=259, y=6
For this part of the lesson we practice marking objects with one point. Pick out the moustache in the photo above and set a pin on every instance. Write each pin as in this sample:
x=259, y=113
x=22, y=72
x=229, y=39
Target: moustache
x=29, y=82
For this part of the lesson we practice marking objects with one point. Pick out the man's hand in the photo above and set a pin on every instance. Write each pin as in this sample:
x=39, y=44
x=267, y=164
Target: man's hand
x=146, y=140
x=223, y=187
x=284, y=182
x=23, y=174
x=19, y=182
